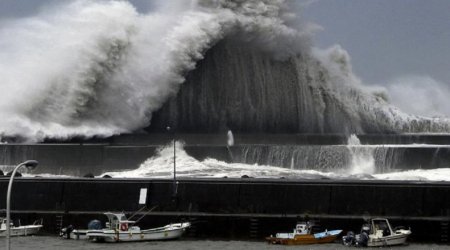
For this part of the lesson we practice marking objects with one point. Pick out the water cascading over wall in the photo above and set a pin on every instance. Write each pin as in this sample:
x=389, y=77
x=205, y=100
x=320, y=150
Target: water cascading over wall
x=328, y=157
x=240, y=87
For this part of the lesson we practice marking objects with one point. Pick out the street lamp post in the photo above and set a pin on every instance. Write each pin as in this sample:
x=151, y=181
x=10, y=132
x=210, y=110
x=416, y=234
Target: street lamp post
x=31, y=164
x=174, y=165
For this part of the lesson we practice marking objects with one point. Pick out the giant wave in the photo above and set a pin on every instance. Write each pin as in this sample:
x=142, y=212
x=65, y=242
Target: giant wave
x=98, y=68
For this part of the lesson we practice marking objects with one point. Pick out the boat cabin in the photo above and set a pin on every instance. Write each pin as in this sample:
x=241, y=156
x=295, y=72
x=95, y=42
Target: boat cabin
x=302, y=228
x=11, y=223
x=380, y=227
x=118, y=221
x=3, y=225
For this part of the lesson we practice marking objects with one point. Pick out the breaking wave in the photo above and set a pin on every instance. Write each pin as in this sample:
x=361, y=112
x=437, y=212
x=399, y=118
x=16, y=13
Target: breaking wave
x=101, y=68
x=161, y=166
x=98, y=68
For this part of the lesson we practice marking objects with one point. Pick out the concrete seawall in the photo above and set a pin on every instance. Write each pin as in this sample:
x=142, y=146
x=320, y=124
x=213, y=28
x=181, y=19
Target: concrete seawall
x=81, y=159
x=228, y=203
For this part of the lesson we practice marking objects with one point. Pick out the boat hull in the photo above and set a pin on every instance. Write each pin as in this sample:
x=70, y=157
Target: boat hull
x=300, y=241
x=137, y=235
x=306, y=239
x=22, y=230
x=390, y=240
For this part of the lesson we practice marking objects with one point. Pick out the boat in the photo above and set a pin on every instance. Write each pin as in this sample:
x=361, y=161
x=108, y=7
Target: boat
x=120, y=229
x=303, y=235
x=20, y=230
x=377, y=233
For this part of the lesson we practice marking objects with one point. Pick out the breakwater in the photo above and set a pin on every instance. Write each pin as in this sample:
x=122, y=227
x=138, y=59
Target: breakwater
x=300, y=151
x=229, y=207
x=82, y=159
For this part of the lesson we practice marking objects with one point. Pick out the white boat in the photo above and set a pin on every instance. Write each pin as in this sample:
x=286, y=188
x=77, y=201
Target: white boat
x=20, y=230
x=120, y=229
x=379, y=233
x=382, y=234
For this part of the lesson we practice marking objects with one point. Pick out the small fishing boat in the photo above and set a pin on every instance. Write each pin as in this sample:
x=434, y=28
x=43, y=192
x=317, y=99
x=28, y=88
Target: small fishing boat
x=378, y=233
x=119, y=229
x=303, y=235
x=20, y=230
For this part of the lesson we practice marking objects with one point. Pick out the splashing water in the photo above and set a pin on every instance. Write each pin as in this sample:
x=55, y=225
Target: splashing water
x=88, y=68
x=101, y=68
x=230, y=138
x=161, y=166
x=362, y=160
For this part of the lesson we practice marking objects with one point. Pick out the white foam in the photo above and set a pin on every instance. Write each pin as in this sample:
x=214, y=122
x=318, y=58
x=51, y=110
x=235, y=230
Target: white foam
x=86, y=68
x=439, y=174
x=98, y=68
x=362, y=159
x=161, y=166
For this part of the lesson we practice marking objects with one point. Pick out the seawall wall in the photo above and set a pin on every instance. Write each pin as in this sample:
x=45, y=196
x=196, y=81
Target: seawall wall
x=227, y=203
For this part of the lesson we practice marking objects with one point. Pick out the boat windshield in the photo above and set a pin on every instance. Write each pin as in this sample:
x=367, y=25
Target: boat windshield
x=381, y=225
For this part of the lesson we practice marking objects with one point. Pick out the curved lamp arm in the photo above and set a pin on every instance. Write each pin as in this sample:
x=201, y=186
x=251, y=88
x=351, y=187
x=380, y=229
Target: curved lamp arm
x=31, y=164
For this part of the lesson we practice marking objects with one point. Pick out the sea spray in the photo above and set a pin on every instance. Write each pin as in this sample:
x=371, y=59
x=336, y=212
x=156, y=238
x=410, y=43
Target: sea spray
x=362, y=160
x=90, y=68
x=98, y=68
x=161, y=166
x=239, y=87
x=230, y=143
x=420, y=95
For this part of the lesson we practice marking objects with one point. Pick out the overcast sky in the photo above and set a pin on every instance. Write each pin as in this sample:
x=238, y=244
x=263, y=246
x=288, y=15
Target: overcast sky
x=388, y=38
x=385, y=38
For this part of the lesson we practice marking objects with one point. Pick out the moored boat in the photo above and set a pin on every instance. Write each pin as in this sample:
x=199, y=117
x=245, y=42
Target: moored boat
x=20, y=230
x=303, y=235
x=378, y=233
x=119, y=229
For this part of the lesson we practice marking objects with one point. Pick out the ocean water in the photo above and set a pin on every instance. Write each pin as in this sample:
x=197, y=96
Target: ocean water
x=56, y=243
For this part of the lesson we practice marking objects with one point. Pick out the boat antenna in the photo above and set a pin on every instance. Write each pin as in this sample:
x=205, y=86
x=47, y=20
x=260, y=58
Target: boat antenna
x=137, y=212
x=140, y=218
